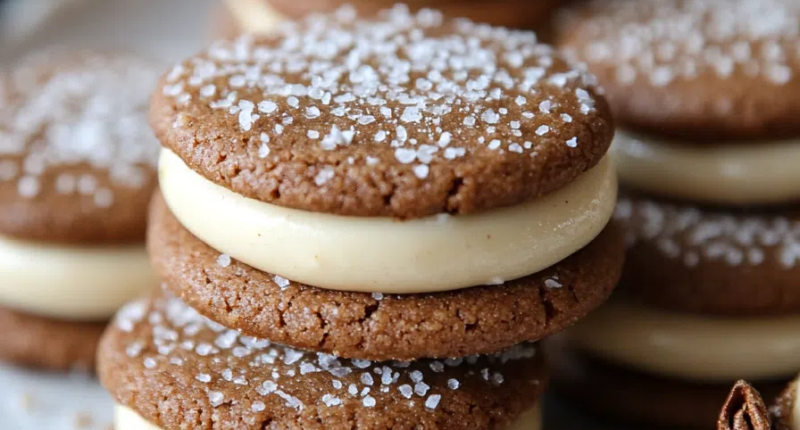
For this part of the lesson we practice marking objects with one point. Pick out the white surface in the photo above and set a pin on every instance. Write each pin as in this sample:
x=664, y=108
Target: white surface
x=54, y=401
x=165, y=29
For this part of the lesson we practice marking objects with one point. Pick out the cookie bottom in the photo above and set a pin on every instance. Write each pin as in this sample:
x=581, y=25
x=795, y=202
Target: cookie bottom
x=33, y=341
x=631, y=397
x=127, y=419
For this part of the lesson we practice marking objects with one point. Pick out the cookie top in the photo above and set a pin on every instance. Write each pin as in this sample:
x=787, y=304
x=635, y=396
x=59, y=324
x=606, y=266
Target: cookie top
x=160, y=355
x=682, y=257
x=405, y=116
x=693, y=68
x=377, y=326
x=77, y=158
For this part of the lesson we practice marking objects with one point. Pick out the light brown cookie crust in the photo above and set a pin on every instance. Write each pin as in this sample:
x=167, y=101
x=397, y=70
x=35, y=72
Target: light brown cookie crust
x=77, y=158
x=34, y=341
x=702, y=70
x=710, y=261
x=358, y=325
x=179, y=370
x=495, y=125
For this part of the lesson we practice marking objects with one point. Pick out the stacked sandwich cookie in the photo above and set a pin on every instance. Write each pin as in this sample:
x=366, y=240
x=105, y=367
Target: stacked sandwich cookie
x=710, y=284
x=77, y=167
x=366, y=224
x=263, y=16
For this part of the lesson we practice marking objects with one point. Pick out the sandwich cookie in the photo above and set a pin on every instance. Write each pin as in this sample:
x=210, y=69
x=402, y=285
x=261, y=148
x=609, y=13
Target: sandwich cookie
x=359, y=133
x=169, y=368
x=76, y=174
x=706, y=93
x=381, y=326
x=359, y=164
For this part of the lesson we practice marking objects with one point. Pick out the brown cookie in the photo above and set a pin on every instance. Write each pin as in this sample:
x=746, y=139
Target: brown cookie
x=31, y=340
x=637, y=398
x=697, y=69
x=408, y=116
x=358, y=325
x=782, y=412
x=508, y=13
x=711, y=261
x=179, y=370
x=77, y=159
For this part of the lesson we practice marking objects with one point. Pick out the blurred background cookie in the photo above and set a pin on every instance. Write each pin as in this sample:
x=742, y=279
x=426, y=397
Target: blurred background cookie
x=76, y=174
x=704, y=93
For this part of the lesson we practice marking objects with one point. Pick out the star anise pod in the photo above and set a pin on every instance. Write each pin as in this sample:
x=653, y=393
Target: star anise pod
x=744, y=410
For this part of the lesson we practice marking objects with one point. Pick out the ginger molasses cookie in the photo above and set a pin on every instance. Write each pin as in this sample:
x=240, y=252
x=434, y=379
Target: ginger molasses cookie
x=77, y=169
x=688, y=258
x=475, y=151
x=382, y=326
x=167, y=368
x=698, y=68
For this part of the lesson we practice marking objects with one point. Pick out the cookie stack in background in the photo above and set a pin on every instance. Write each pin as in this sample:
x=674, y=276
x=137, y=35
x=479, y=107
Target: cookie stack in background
x=706, y=93
x=335, y=201
x=263, y=16
x=77, y=168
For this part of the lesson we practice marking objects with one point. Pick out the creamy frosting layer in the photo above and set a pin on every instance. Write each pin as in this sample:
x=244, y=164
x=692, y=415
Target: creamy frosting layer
x=254, y=16
x=72, y=283
x=126, y=419
x=437, y=253
x=698, y=348
x=727, y=173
